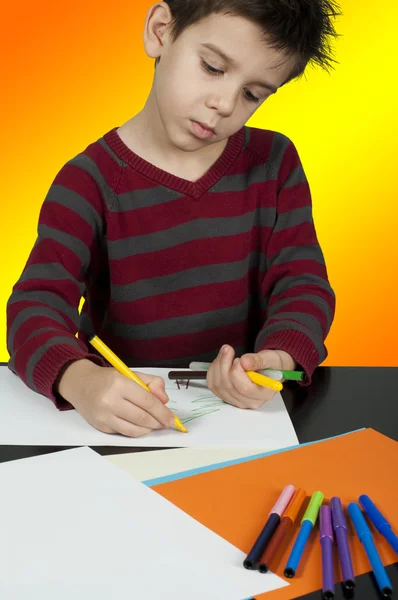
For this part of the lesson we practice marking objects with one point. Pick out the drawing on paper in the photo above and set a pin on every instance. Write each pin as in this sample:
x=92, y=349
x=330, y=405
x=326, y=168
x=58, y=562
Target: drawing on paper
x=193, y=407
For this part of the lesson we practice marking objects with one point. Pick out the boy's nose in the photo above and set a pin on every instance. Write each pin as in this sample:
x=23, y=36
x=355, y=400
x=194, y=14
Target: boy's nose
x=224, y=103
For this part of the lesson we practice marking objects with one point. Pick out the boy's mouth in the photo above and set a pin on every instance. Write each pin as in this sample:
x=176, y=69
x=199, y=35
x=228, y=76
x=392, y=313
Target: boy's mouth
x=202, y=131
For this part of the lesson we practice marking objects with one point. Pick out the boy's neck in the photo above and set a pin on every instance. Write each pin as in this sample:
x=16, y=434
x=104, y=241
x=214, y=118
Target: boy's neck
x=145, y=136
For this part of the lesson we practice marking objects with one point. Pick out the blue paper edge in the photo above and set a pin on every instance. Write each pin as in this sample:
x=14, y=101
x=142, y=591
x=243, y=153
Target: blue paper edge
x=228, y=463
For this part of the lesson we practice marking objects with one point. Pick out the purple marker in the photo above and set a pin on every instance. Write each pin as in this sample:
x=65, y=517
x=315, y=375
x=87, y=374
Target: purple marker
x=340, y=531
x=326, y=537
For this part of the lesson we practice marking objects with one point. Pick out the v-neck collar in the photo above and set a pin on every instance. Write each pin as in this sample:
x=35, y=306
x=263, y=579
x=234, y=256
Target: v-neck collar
x=196, y=189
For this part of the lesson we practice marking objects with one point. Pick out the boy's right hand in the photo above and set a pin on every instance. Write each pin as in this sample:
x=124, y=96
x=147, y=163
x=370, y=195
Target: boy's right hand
x=113, y=403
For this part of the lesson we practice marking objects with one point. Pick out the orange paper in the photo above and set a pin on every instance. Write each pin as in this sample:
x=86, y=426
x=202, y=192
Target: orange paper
x=235, y=501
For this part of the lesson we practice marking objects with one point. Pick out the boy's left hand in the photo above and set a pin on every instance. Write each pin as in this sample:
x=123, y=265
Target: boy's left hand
x=227, y=379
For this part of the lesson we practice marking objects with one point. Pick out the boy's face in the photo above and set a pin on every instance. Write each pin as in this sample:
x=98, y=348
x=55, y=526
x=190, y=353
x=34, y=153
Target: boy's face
x=194, y=83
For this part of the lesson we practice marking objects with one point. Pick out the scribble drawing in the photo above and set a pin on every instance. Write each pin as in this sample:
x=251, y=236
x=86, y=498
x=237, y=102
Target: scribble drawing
x=199, y=407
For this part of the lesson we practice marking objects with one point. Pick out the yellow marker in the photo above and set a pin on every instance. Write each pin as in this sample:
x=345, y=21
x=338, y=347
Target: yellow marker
x=264, y=381
x=124, y=370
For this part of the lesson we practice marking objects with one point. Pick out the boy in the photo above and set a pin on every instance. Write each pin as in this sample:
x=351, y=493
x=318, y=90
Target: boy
x=184, y=230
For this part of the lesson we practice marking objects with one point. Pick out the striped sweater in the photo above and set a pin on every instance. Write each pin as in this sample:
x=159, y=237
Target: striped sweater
x=171, y=269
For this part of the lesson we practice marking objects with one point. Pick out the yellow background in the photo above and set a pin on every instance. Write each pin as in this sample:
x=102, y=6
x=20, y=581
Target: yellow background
x=73, y=70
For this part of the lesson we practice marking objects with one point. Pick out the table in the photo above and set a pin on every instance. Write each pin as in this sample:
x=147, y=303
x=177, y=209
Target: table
x=340, y=399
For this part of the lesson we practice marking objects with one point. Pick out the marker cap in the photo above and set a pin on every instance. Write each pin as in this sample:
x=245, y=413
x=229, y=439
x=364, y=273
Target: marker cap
x=295, y=504
x=374, y=514
x=283, y=500
x=358, y=519
x=311, y=513
x=325, y=522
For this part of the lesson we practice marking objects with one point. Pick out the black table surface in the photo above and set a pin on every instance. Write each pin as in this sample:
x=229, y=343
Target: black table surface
x=339, y=400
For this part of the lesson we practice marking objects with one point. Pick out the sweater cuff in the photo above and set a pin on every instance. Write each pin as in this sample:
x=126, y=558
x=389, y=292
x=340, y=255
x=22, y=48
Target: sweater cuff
x=55, y=360
x=298, y=345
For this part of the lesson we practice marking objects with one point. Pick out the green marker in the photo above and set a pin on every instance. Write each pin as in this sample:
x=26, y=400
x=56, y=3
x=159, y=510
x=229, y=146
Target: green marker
x=277, y=374
x=307, y=523
x=199, y=366
x=288, y=375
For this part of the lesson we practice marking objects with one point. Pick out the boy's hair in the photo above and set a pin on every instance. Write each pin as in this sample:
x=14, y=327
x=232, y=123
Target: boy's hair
x=302, y=29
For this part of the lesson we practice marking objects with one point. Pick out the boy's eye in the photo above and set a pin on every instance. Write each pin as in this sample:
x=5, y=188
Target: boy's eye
x=213, y=71
x=210, y=69
x=251, y=97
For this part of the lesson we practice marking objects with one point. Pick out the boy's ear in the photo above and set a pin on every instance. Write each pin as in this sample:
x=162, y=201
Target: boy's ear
x=156, y=25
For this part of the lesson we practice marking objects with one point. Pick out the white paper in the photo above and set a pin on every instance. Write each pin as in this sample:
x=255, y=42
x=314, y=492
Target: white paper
x=27, y=418
x=75, y=526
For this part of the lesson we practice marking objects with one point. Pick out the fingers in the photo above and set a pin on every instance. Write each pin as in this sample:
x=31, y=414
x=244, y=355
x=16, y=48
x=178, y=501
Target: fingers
x=127, y=428
x=251, y=362
x=248, y=393
x=112, y=403
x=228, y=380
x=268, y=359
x=265, y=359
x=238, y=386
x=132, y=413
x=147, y=402
x=220, y=367
x=287, y=360
x=156, y=385
x=218, y=374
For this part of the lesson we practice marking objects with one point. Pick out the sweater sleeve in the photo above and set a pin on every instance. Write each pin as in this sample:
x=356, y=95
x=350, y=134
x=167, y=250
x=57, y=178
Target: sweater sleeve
x=42, y=311
x=297, y=299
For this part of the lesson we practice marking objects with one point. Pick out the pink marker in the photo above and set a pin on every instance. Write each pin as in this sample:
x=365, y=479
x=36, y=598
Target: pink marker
x=283, y=500
x=274, y=517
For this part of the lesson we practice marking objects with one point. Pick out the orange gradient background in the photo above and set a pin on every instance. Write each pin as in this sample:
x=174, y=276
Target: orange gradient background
x=73, y=70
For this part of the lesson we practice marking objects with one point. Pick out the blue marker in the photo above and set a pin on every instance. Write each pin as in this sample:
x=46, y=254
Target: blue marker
x=380, y=522
x=307, y=523
x=365, y=536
